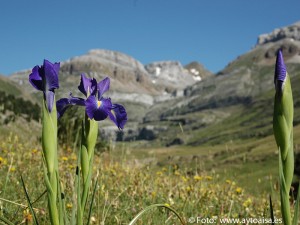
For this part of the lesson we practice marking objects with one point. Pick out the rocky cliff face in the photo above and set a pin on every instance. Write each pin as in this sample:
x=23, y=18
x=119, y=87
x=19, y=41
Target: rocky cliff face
x=291, y=32
x=127, y=73
x=286, y=38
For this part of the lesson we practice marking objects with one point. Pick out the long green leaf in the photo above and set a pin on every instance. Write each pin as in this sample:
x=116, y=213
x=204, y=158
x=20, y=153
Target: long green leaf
x=77, y=187
x=29, y=203
x=92, y=201
x=133, y=221
x=284, y=195
x=61, y=202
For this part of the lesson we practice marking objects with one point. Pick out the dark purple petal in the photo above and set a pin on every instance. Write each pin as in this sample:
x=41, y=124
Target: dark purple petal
x=103, y=86
x=64, y=103
x=91, y=106
x=77, y=101
x=280, y=73
x=118, y=115
x=97, y=110
x=87, y=86
x=51, y=75
x=61, y=106
x=49, y=99
x=35, y=79
x=280, y=70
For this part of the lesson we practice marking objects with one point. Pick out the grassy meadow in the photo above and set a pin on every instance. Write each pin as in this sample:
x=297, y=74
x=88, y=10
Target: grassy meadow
x=232, y=180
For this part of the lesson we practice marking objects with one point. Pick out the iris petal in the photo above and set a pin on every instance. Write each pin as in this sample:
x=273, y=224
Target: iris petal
x=51, y=75
x=280, y=70
x=118, y=115
x=49, y=99
x=280, y=73
x=61, y=106
x=87, y=85
x=77, y=101
x=95, y=112
x=103, y=86
x=64, y=103
x=35, y=79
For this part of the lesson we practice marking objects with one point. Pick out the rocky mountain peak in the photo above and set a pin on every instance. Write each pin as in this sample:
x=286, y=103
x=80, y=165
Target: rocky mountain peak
x=169, y=73
x=197, y=70
x=96, y=58
x=290, y=32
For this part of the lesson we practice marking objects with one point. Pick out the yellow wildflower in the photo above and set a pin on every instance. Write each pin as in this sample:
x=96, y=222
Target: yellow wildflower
x=185, y=179
x=168, y=205
x=208, y=177
x=64, y=158
x=153, y=194
x=177, y=173
x=159, y=173
x=188, y=189
x=247, y=203
x=69, y=205
x=197, y=177
x=238, y=190
x=27, y=216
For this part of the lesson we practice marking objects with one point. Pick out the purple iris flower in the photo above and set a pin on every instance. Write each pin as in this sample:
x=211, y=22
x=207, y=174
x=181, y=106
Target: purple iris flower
x=96, y=106
x=280, y=72
x=45, y=78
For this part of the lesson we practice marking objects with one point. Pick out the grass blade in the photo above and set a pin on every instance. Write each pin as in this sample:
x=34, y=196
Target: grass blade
x=61, y=202
x=6, y=221
x=271, y=210
x=29, y=203
x=92, y=201
x=77, y=184
x=133, y=221
x=296, y=212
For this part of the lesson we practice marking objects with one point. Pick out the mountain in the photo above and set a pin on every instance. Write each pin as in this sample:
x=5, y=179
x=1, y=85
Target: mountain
x=236, y=103
x=170, y=104
x=136, y=86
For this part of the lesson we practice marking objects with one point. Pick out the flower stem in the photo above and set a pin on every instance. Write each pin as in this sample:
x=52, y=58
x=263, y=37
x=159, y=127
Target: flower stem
x=49, y=143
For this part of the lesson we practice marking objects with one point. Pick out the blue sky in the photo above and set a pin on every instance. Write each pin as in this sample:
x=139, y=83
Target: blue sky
x=213, y=32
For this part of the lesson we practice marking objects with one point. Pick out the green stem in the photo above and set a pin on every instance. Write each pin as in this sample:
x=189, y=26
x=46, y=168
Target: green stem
x=49, y=143
x=88, y=142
